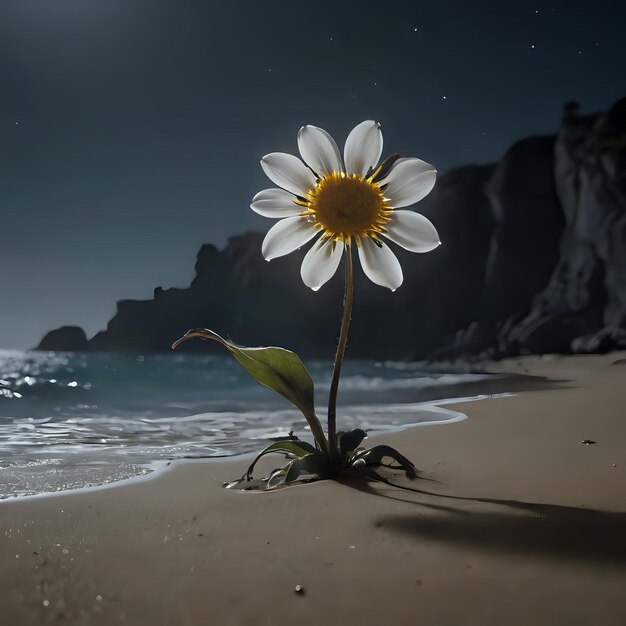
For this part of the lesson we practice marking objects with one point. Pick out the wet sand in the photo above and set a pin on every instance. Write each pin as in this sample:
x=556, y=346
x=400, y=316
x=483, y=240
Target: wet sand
x=512, y=520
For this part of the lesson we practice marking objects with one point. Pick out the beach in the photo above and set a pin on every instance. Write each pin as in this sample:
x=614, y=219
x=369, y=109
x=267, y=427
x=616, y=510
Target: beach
x=512, y=519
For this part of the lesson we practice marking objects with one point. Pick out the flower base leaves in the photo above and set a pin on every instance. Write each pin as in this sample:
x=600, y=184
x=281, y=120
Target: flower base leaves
x=291, y=447
x=375, y=456
x=307, y=464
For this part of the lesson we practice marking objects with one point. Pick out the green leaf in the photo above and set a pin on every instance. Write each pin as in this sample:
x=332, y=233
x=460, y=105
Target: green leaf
x=349, y=442
x=276, y=368
x=316, y=464
x=290, y=447
x=276, y=478
x=375, y=455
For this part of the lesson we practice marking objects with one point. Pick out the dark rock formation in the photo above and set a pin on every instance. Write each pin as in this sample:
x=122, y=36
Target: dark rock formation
x=65, y=338
x=534, y=260
x=586, y=294
x=529, y=222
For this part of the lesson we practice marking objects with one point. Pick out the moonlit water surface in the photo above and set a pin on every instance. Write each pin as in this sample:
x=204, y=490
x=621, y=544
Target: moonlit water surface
x=71, y=420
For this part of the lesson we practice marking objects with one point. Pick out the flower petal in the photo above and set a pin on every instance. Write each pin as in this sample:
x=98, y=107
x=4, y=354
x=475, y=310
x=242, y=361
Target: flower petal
x=321, y=262
x=380, y=264
x=288, y=172
x=286, y=236
x=408, y=181
x=412, y=231
x=319, y=150
x=363, y=148
x=275, y=203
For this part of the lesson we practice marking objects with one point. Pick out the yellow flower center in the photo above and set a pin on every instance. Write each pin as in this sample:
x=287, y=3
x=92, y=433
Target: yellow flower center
x=346, y=206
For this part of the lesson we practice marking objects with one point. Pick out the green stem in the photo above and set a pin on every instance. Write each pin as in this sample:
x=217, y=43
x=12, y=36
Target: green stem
x=317, y=431
x=341, y=348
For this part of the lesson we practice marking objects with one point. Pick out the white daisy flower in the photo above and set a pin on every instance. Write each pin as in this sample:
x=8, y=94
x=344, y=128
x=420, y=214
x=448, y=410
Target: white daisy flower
x=345, y=200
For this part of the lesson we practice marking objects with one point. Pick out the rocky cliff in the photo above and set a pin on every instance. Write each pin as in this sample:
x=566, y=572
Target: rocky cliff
x=534, y=260
x=578, y=230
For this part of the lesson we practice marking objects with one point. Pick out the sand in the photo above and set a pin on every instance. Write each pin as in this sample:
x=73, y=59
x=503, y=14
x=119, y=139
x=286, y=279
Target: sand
x=513, y=520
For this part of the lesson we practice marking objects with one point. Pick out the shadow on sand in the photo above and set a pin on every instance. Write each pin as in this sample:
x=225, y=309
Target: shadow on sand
x=540, y=530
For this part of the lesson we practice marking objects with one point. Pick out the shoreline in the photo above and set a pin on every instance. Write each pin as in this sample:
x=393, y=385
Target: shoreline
x=511, y=516
x=156, y=467
x=159, y=467
x=65, y=408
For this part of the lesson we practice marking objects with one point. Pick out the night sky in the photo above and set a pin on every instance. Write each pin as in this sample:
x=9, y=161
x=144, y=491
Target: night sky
x=131, y=130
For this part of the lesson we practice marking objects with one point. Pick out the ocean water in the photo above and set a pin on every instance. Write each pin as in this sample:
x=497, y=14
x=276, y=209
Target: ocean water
x=70, y=420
